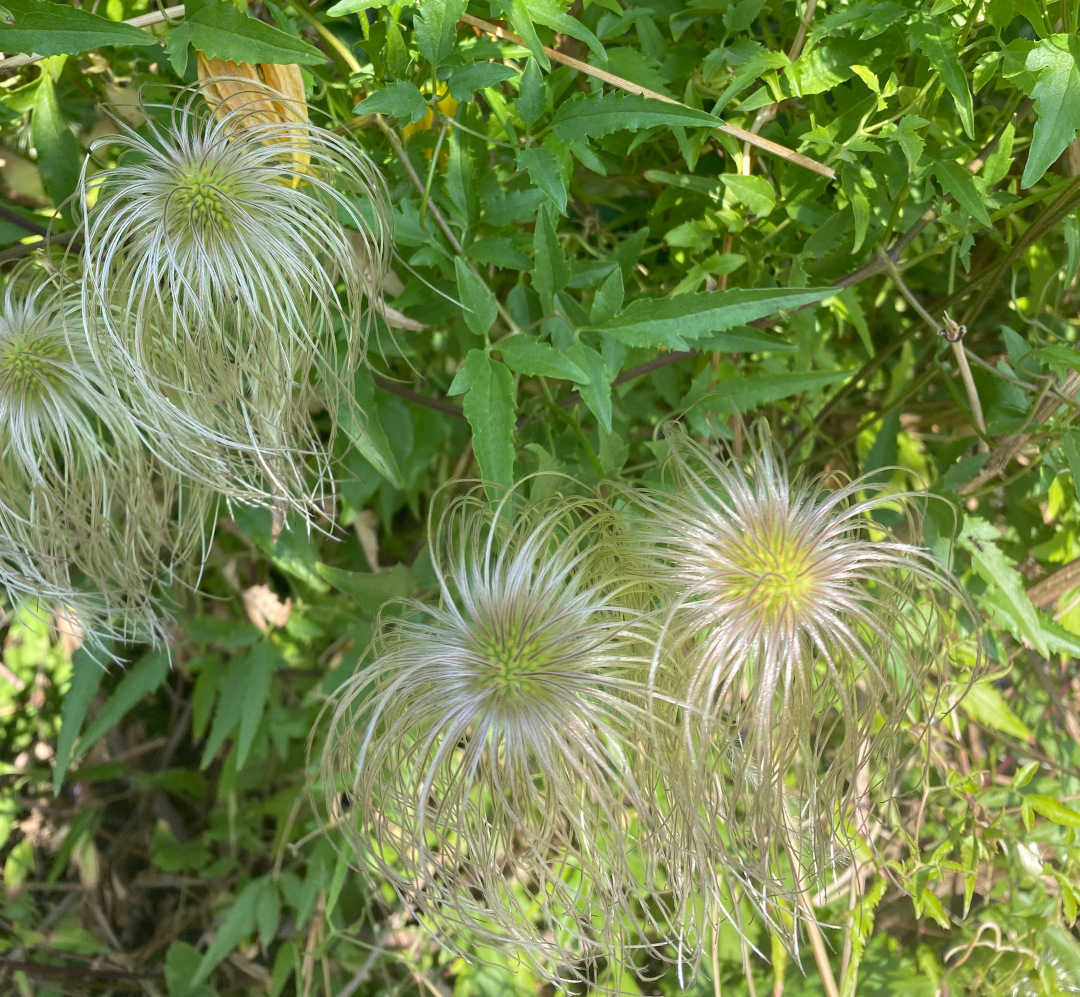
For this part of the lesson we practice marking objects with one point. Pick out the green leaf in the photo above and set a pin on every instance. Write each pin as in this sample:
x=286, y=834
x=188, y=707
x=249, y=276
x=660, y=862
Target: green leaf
x=1052, y=810
x=181, y=962
x=368, y=435
x=219, y=29
x=608, y=299
x=86, y=677
x=862, y=924
x=144, y=678
x=262, y=662
x=437, y=27
x=979, y=538
x=527, y=355
x=370, y=589
x=230, y=704
x=747, y=393
x=746, y=339
x=170, y=855
x=238, y=924
x=343, y=7
x=466, y=80
x=675, y=322
x=532, y=100
x=522, y=21
x=552, y=14
x=597, y=393
x=943, y=51
x=985, y=704
x=1072, y=456
x=1056, y=60
x=754, y=192
x=44, y=28
x=598, y=115
x=490, y=408
x=955, y=180
x=551, y=272
x=59, y=157
x=478, y=302
x=402, y=99
x=543, y=169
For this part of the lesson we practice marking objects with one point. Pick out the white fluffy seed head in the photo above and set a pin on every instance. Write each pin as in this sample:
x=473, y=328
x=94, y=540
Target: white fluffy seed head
x=799, y=632
x=92, y=527
x=492, y=748
x=220, y=265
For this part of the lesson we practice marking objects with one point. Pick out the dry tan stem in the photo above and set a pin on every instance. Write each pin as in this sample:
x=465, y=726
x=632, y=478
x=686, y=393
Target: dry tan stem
x=742, y=134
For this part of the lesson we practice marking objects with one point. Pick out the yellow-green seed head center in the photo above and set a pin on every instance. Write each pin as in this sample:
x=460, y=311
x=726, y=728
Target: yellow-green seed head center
x=30, y=364
x=773, y=576
x=201, y=201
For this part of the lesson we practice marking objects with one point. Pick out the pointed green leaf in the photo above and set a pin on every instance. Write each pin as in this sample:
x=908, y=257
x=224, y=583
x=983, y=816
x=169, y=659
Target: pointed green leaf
x=551, y=272
x=597, y=115
x=543, y=169
x=597, y=393
x=144, y=678
x=490, y=408
x=219, y=29
x=532, y=100
x=44, y=28
x=955, y=180
x=370, y=589
x=985, y=704
x=436, y=27
x=262, y=662
x=86, y=675
x=239, y=923
x=58, y=154
x=466, y=80
x=1053, y=810
x=747, y=393
x=675, y=322
x=1056, y=60
x=402, y=99
x=527, y=355
x=479, y=309
x=979, y=539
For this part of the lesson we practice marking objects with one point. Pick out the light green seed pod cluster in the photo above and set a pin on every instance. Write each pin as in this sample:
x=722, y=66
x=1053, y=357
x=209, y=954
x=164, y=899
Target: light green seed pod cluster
x=699, y=685
x=214, y=305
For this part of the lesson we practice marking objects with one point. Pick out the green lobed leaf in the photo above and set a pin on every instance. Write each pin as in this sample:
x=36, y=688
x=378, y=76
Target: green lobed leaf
x=436, y=27
x=522, y=22
x=527, y=355
x=402, y=99
x=343, y=7
x=1056, y=60
x=754, y=192
x=597, y=392
x=542, y=166
x=979, y=538
x=675, y=322
x=490, y=408
x=219, y=29
x=943, y=51
x=466, y=80
x=553, y=14
x=44, y=28
x=597, y=115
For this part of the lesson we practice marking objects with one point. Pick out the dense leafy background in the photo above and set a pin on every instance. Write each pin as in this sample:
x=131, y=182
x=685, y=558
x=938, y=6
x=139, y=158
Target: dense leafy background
x=558, y=243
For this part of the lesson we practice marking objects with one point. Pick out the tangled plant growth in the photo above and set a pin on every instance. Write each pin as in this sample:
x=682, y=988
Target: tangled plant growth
x=651, y=710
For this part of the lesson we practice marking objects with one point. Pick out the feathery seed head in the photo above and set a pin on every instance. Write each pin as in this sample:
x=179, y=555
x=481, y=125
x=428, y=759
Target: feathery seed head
x=493, y=737
x=219, y=268
x=87, y=516
x=800, y=634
